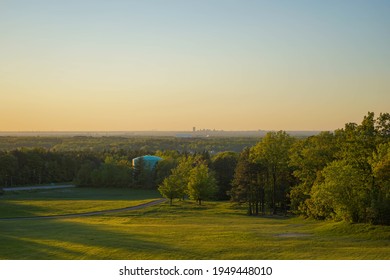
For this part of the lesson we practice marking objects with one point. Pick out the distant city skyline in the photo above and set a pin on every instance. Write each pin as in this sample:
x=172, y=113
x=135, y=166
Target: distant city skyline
x=174, y=65
x=178, y=134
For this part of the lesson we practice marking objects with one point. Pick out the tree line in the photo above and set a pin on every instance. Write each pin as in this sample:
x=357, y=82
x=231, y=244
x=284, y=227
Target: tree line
x=36, y=166
x=30, y=166
x=111, y=169
x=120, y=144
x=343, y=175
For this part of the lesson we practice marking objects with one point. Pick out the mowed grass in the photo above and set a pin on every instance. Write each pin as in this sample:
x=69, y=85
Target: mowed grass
x=70, y=201
x=215, y=230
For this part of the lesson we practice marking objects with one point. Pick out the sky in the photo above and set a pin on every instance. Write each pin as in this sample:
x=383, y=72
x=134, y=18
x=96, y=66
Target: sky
x=176, y=64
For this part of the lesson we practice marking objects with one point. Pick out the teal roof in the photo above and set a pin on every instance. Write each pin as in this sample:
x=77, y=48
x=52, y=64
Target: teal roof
x=149, y=158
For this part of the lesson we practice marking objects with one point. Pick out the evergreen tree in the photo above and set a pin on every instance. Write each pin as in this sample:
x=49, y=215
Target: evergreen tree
x=224, y=164
x=245, y=185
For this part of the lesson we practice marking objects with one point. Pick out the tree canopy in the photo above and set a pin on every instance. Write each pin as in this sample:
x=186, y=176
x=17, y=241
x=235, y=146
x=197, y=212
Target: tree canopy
x=341, y=175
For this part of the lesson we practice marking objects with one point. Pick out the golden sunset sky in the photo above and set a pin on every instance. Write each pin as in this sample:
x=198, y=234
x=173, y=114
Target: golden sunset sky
x=174, y=64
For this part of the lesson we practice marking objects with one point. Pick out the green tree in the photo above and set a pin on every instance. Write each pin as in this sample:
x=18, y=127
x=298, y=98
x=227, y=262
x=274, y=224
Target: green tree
x=358, y=142
x=8, y=169
x=273, y=153
x=245, y=185
x=164, y=168
x=358, y=145
x=176, y=184
x=144, y=177
x=202, y=184
x=380, y=203
x=173, y=186
x=113, y=173
x=224, y=164
x=186, y=164
x=83, y=176
x=382, y=126
x=344, y=176
x=342, y=193
x=307, y=158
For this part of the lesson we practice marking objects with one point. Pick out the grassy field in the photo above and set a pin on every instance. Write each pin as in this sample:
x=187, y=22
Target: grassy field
x=215, y=230
x=70, y=201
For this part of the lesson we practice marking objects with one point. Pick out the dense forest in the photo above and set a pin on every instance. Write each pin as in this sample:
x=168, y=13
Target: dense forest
x=146, y=144
x=342, y=175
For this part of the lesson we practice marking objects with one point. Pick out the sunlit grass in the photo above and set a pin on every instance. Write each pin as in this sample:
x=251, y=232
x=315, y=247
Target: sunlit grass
x=215, y=230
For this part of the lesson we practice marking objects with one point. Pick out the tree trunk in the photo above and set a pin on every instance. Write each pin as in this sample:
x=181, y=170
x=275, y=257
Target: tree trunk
x=262, y=201
x=249, y=208
x=274, y=192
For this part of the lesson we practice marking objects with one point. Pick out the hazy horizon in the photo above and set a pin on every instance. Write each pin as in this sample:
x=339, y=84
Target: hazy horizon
x=171, y=65
x=156, y=133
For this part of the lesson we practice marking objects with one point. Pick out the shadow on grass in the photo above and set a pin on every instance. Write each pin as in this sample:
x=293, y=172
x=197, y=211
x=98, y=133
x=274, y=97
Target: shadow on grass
x=82, y=193
x=26, y=204
x=165, y=236
x=10, y=209
x=68, y=239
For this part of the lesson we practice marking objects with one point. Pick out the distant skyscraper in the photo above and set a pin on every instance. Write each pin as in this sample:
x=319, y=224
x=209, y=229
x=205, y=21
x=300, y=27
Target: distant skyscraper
x=194, y=129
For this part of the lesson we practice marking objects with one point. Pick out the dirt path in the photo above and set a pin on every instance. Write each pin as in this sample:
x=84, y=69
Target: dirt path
x=131, y=208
